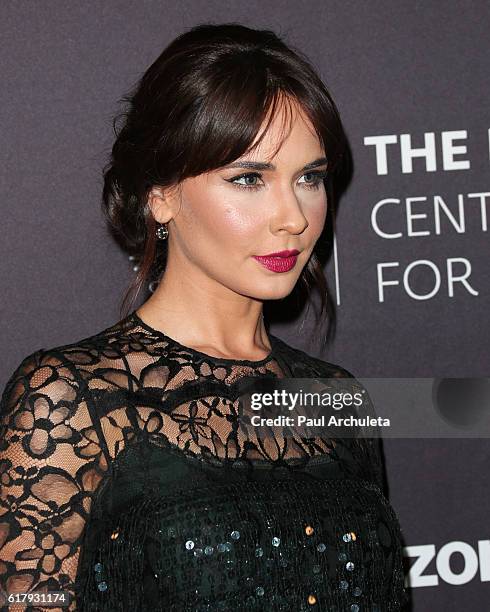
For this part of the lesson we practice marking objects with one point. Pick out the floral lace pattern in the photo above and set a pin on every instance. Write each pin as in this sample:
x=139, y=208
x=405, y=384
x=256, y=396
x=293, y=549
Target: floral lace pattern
x=81, y=423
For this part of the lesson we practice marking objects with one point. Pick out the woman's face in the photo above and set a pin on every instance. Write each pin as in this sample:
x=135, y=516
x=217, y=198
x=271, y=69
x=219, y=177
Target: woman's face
x=228, y=216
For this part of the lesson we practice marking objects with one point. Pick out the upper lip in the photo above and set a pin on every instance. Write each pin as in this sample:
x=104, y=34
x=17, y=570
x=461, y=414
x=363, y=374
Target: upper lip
x=281, y=253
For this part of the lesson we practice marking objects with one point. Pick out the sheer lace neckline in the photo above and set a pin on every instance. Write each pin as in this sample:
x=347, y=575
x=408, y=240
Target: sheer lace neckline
x=160, y=334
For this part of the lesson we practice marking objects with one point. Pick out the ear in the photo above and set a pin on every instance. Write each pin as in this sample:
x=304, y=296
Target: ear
x=164, y=202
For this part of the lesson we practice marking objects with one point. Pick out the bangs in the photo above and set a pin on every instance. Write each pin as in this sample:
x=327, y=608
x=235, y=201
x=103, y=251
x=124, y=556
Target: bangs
x=236, y=114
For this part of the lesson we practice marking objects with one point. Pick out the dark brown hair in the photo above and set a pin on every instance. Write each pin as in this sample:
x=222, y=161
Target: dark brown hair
x=198, y=107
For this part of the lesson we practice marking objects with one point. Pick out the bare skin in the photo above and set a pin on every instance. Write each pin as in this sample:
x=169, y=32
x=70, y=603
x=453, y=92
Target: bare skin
x=211, y=295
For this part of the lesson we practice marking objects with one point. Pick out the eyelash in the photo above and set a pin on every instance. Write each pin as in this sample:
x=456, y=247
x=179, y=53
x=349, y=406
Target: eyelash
x=320, y=175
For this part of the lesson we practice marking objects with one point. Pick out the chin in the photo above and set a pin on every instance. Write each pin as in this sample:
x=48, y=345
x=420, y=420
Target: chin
x=272, y=293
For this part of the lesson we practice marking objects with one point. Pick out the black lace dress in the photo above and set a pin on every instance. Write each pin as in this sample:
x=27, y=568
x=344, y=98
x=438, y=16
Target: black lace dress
x=127, y=481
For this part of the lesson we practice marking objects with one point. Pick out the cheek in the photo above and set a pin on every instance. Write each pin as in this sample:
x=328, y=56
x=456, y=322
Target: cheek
x=316, y=214
x=244, y=225
x=219, y=221
x=212, y=216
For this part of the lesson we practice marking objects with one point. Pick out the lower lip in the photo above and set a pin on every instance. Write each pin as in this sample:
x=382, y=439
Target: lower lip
x=278, y=264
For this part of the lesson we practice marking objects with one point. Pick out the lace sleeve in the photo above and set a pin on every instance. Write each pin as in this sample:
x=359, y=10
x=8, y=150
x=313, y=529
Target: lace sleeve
x=372, y=446
x=50, y=465
x=368, y=450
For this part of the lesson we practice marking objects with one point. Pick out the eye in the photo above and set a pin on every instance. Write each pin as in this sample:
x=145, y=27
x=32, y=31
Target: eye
x=249, y=180
x=315, y=179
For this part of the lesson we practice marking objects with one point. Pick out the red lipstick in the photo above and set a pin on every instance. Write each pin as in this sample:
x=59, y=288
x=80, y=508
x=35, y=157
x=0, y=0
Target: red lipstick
x=282, y=261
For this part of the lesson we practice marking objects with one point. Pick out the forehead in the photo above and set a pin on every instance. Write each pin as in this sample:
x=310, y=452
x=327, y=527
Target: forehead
x=286, y=132
x=286, y=139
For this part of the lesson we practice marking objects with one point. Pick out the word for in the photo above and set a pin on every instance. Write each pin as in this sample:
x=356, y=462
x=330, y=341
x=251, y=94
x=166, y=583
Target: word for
x=458, y=270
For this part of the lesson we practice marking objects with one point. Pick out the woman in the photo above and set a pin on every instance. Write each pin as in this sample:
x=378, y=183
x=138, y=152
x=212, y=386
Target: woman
x=127, y=479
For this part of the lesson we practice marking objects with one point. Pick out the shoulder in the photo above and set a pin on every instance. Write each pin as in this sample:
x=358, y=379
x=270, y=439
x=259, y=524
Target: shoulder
x=42, y=388
x=72, y=356
x=58, y=372
x=48, y=396
x=304, y=364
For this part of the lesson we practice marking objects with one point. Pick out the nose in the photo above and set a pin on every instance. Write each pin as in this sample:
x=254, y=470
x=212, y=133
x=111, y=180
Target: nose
x=288, y=214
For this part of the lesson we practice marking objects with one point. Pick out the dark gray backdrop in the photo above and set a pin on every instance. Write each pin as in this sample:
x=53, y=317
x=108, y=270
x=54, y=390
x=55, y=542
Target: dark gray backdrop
x=418, y=69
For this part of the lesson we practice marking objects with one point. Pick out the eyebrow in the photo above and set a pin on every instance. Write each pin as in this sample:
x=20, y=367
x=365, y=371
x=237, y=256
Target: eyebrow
x=255, y=165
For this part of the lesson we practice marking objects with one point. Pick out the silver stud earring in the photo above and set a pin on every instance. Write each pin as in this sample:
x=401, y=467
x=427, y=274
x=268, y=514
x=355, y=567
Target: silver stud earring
x=162, y=231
